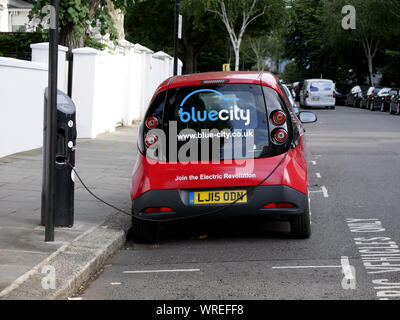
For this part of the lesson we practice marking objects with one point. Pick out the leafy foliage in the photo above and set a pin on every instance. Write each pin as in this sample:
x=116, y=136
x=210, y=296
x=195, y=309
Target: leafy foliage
x=320, y=46
x=76, y=16
x=17, y=44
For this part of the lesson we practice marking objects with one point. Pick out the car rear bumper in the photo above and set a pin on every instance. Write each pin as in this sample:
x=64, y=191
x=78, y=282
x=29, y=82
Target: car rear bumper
x=320, y=104
x=178, y=201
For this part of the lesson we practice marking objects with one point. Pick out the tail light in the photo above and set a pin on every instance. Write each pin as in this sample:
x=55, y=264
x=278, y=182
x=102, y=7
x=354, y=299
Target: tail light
x=279, y=118
x=280, y=136
x=157, y=209
x=334, y=94
x=372, y=95
x=279, y=205
x=152, y=122
x=150, y=140
x=307, y=94
x=388, y=97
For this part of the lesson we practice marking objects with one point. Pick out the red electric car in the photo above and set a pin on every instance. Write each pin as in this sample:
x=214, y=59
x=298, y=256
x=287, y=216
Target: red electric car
x=220, y=145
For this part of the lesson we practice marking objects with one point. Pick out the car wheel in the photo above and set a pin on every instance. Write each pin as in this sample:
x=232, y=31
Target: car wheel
x=370, y=106
x=300, y=226
x=333, y=108
x=383, y=107
x=144, y=232
x=355, y=104
x=391, y=109
x=398, y=109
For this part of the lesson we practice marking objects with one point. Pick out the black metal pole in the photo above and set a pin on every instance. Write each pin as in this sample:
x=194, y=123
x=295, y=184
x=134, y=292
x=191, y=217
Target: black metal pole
x=176, y=40
x=51, y=118
x=70, y=58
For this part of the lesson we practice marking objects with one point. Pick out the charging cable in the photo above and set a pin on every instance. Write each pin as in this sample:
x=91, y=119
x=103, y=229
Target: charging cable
x=215, y=211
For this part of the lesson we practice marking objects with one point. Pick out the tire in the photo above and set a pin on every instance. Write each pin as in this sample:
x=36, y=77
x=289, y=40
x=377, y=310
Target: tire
x=370, y=106
x=383, y=107
x=390, y=109
x=398, y=109
x=300, y=226
x=144, y=232
x=333, y=108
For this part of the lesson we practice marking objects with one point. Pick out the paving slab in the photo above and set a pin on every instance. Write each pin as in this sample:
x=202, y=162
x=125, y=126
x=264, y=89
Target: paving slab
x=105, y=164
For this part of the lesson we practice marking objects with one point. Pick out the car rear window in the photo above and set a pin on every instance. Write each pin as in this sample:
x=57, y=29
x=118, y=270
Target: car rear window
x=317, y=86
x=231, y=119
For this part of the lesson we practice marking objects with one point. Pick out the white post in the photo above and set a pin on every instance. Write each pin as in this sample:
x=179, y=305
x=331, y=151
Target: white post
x=83, y=91
x=40, y=54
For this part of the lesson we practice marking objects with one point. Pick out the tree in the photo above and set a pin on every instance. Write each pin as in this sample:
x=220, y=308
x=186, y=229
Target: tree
x=373, y=28
x=151, y=23
x=77, y=17
x=237, y=15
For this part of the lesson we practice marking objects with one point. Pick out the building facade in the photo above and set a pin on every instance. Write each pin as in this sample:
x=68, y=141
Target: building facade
x=14, y=15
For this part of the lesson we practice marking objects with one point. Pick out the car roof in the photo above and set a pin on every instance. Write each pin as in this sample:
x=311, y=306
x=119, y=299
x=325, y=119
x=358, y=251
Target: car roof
x=249, y=77
x=319, y=80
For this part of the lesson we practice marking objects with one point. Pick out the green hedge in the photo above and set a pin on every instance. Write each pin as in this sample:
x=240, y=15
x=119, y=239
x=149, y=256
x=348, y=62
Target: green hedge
x=17, y=44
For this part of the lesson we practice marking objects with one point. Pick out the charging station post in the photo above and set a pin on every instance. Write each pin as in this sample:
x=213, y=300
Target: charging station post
x=49, y=127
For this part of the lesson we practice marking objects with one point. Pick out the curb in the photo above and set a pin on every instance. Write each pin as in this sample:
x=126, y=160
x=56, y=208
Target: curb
x=74, y=263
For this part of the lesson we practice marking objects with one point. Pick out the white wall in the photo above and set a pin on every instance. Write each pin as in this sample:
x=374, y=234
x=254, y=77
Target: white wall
x=22, y=86
x=108, y=89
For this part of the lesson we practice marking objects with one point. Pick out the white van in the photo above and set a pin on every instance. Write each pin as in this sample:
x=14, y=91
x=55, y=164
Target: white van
x=318, y=93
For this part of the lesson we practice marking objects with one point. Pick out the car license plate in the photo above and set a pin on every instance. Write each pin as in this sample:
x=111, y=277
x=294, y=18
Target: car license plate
x=212, y=197
x=315, y=99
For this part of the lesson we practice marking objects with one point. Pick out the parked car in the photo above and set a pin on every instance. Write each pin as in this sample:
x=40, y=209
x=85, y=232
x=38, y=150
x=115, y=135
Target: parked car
x=383, y=98
x=318, y=93
x=290, y=95
x=340, y=98
x=341, y=89
x=269, y=181
x=368, y=96
x=379, y=99
x=395, y=104
x=354, y=96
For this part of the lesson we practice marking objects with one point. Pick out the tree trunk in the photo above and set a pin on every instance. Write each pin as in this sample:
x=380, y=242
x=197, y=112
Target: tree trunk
x=189, y=59
x=370, y=70
x=68, y=38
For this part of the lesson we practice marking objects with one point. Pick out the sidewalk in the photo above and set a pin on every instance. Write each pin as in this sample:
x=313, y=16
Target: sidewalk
x=105, y=164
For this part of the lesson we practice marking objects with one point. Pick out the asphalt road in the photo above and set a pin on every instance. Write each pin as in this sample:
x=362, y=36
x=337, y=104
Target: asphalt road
x=354, y=173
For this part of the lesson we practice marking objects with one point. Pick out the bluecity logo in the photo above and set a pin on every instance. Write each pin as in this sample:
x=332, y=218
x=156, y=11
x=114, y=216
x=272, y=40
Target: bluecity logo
x=234, y=112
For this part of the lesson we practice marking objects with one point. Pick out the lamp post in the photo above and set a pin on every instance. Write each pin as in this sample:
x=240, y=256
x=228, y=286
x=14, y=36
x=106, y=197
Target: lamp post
x=49, y=156
x=177, y=34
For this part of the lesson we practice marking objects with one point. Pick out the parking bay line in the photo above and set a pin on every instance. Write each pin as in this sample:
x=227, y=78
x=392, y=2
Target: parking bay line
x=324, y=191
x=345, y=266
x=159, y=271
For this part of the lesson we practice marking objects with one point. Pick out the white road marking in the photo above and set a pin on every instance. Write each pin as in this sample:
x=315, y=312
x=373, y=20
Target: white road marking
x=325, y=192
x=314, y=162
x=157, y=271
x=318, y=175
x=348, y=273
x=305, y=267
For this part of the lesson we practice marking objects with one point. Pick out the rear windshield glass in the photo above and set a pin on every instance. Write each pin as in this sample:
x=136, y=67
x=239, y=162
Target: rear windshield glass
x=228, y=117
x=317, y=86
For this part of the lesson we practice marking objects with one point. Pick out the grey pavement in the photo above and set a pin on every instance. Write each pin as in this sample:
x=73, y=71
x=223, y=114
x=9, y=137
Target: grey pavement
x=105, y=164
